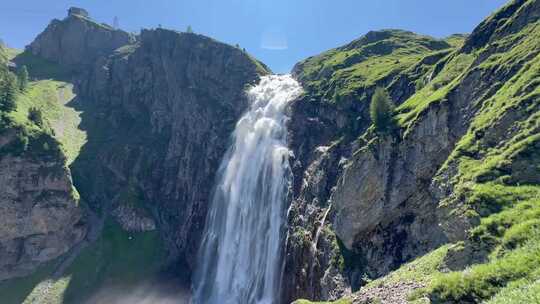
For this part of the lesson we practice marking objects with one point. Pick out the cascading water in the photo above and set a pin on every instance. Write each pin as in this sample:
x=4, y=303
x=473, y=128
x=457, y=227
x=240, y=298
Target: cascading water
x=240, y=258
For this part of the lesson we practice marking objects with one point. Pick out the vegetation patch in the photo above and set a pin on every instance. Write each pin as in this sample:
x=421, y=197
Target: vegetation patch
x=117, y=259
x=372, y=60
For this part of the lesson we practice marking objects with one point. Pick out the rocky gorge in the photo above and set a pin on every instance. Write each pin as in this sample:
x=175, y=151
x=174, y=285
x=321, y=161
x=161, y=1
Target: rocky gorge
x=449, y=198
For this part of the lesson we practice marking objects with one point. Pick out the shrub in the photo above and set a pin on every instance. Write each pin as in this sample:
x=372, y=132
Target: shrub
x=381, y=111
x=35, y=115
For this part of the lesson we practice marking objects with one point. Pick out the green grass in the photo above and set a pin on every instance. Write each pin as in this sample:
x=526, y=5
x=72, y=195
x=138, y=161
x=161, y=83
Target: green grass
x=117, y=259
x=436, y=90
x=521, y=292
x=481, y=282
x=345, y=72
x=52, y=97
x=420, y=270
x=456, y=40
x=519, y=48
x=30, y=140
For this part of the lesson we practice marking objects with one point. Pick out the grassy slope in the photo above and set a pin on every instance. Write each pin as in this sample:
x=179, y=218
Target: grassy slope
x=504, y=196
x=118, y=259
x=496, y=183
x=51, y=96
x=375, y=58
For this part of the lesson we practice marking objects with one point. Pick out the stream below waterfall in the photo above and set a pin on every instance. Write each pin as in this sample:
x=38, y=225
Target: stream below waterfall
x=240, y=259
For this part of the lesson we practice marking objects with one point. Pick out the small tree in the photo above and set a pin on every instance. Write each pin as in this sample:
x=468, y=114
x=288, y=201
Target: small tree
x=35, y=115
x=381, y=111
x=189, y=29
x=22, y=77
x=8, y=93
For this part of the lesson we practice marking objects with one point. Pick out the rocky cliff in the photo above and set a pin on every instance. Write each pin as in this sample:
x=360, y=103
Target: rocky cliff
x=398, y=196
x=77, y=41
x=158, y=113
x=339, y=84
x=41, y=219
x=167, y=107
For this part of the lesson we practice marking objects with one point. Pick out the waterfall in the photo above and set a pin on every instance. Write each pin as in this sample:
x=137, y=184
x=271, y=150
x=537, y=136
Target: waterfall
x=240, y=259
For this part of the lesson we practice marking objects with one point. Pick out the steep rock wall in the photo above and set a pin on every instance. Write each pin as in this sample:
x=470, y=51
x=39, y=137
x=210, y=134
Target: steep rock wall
x=39, y=209
x=161, y=118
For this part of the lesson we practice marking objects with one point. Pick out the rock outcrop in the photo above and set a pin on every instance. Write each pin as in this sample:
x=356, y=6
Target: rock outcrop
x=40, y=218
x=77, y=41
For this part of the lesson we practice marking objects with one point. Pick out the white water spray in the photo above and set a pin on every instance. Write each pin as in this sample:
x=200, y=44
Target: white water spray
x=241, y=254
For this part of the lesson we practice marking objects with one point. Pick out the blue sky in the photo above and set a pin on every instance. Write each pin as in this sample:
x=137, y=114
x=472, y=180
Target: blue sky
x=278, y=32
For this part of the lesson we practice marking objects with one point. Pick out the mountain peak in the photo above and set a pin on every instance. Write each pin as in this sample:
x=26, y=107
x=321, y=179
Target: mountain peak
x=78, y=40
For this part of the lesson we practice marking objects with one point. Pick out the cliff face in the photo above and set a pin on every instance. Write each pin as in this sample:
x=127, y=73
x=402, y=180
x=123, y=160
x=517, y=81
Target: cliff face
x=395, y=197
x=41, y=219
x=324, y=129
x=162, y=114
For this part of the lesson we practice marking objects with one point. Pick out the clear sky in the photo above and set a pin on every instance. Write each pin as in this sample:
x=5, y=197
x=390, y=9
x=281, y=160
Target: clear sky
x=278, y=32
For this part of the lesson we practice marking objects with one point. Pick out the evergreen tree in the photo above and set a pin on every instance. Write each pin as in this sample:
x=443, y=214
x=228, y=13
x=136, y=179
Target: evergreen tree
x=8, y=93
x=22, y=77
x=35, y=115
x=189, y=29
x=381, y=111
